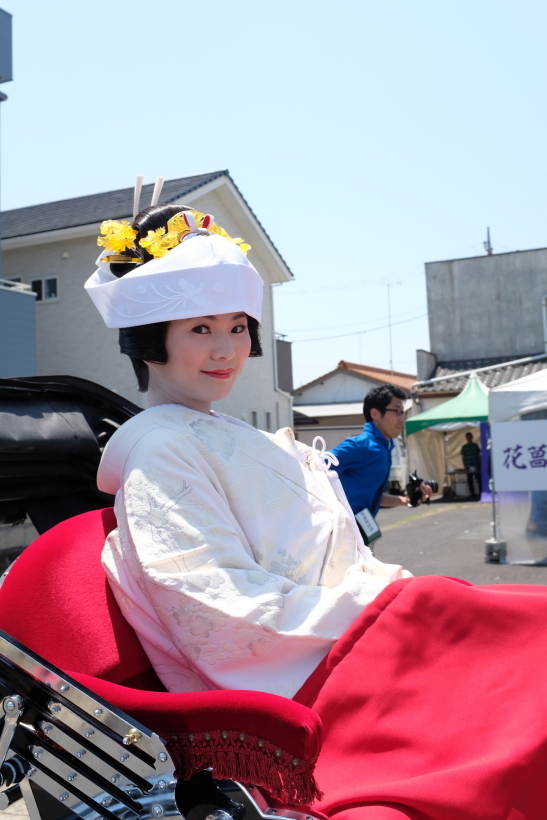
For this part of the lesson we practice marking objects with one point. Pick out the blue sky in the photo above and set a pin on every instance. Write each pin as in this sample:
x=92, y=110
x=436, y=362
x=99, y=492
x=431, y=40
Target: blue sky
x=368, y=137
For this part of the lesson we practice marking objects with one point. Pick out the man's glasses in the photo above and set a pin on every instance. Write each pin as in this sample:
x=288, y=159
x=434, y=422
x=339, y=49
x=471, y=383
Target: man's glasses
x=400, y=413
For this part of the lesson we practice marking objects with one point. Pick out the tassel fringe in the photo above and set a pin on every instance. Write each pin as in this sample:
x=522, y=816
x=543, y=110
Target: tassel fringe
x=247, y=759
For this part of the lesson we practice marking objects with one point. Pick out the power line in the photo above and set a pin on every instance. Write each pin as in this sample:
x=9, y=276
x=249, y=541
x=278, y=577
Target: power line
x=345, y=324
x=359, y=332
x=359, y=283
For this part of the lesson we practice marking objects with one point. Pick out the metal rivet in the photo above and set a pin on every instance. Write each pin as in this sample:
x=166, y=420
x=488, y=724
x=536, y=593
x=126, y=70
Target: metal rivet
x=157, y=811
x=31, y=772
x=54, y=707
x=207, y=736
x=98, y=711
x=47, y=729
x=38, y=753
x=295, y=761
x=162, y=756
x=9, y=706
x=72, y=776
x=191, y=738
x=241, y=737
x=80, y=753
x=64, y=688
x=124, y=757
x=107, y=801
x=64, y=796
x=260, y=744
x=278, y=753
x=224, y=735
x=115, y=777
x=162, y=784
x=89, y=732
x=133, y=736
x=47, y=682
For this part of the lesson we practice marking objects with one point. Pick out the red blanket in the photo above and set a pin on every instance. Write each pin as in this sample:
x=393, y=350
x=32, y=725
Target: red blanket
x=434, y=706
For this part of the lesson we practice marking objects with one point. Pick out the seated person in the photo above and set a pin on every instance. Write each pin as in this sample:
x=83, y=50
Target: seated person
x=238, y=562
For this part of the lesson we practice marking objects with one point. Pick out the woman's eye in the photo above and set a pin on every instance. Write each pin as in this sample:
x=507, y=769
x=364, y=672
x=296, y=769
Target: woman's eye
x=239, y=329
x=200, y=329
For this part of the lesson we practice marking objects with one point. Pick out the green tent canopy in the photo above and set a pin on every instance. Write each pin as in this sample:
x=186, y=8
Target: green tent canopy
x=470, y=405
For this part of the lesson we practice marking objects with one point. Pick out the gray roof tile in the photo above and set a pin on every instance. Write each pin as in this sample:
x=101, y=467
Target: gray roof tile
x=86, y=210
x=490, y=378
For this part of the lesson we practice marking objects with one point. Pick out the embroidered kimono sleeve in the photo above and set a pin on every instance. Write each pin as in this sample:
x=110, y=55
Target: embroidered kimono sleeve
x=231, y=621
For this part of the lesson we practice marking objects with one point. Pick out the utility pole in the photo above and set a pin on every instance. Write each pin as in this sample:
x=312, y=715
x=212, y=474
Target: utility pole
x=488, y=245
x=389, y=285
x=6, y=74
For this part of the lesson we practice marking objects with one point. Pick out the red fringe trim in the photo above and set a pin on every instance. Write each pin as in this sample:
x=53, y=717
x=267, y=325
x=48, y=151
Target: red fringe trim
x=247, y=759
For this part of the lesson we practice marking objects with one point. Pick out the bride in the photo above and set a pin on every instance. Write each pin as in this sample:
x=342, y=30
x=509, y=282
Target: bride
x=238, y=562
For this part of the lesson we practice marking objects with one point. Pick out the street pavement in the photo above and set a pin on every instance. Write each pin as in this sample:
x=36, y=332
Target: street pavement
x=447, y=539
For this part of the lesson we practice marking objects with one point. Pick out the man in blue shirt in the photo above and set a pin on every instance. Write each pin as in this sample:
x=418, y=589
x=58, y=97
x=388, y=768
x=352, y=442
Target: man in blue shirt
x=365, y=460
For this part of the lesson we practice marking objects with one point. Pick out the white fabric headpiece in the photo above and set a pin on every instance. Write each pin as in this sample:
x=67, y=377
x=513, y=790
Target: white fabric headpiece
x=206, y=274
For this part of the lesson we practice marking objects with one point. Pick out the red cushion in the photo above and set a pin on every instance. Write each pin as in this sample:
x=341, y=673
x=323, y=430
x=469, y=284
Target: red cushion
x=56, y=600
x=284, y=722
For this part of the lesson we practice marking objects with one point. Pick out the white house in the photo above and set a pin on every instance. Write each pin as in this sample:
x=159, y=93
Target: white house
x=332, y=405
x=53, y=248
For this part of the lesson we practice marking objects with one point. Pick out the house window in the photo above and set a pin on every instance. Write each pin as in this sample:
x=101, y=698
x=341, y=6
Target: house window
x=46, y=289
x=13, y=279
x=268, y=422
x=254, y=418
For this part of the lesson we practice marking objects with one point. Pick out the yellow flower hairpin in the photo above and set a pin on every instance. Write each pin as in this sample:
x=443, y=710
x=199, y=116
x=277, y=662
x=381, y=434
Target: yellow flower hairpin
x=116, y=235
x=159, y=243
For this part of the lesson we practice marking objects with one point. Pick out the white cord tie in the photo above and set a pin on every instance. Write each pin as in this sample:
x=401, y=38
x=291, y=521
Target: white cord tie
x=322, y=458
x=195, y=230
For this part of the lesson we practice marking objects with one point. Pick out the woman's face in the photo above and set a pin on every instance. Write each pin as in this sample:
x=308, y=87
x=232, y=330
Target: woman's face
x=204, y=358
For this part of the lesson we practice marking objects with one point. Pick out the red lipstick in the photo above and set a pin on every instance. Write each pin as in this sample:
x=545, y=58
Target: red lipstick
x=219, y=374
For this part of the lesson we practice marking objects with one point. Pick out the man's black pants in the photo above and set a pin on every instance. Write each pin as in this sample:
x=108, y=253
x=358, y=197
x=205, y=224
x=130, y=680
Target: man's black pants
x=474, y=475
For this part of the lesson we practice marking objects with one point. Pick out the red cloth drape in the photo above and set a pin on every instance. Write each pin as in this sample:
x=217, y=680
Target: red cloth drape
x=434, y=706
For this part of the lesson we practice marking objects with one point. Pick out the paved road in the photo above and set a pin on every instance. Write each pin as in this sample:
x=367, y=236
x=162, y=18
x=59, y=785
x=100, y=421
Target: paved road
x=447, y=539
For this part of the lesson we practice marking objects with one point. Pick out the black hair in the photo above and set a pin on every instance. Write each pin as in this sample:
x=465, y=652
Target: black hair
x=146, y=343
x=380, y=397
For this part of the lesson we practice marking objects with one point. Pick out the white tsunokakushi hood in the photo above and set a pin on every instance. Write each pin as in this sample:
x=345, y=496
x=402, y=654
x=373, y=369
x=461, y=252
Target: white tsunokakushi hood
x=197, y=270
x=206, y=274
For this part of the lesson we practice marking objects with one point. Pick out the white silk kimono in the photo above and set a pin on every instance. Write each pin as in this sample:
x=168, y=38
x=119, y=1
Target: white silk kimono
x=236, y=558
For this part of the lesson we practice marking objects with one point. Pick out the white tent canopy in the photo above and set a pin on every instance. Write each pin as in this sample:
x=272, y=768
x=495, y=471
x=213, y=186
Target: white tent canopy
x=526, y=395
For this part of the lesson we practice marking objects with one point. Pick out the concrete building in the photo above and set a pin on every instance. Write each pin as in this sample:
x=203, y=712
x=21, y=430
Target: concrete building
x=53, y=248
x=485, y=307
x=332, y=405
x=485, y=312
x=17, y=330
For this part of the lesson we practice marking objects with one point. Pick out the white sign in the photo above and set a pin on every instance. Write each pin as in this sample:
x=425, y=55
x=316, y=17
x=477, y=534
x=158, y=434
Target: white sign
x=369, y=526
x=519, y=455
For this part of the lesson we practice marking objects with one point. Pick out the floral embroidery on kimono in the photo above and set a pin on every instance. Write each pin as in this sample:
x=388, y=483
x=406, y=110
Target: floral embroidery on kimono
x=236, y=558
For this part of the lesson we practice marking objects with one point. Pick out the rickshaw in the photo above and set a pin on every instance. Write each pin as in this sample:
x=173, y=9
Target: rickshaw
x=86, y=728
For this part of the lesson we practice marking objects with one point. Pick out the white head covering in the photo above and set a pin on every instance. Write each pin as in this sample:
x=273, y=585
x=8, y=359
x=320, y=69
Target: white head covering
x=206, y=274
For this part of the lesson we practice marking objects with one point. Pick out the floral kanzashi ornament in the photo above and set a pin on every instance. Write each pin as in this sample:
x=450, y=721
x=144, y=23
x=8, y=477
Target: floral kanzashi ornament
x=159, y=243
x=117, y=235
